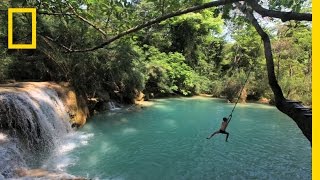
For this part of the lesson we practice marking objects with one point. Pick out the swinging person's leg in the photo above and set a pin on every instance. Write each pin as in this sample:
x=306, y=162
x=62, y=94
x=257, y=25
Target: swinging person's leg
x=213, y=134
x=225, y=132
x=227, y=137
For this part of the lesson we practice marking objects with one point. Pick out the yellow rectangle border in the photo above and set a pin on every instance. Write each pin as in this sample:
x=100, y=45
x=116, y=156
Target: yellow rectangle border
x=315, y=91
x=33, y=44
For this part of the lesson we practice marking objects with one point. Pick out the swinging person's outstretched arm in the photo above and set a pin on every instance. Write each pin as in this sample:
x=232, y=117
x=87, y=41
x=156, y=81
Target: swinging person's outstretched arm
x=229, y=119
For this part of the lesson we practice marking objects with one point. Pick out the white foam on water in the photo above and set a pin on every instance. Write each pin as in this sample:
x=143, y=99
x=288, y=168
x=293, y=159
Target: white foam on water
x=129, y=130
x=171, y=122
x=3, y=137
x=108, y=148
x=72, y=141
x=67, y=148
x=62, y=157
x=112, y=106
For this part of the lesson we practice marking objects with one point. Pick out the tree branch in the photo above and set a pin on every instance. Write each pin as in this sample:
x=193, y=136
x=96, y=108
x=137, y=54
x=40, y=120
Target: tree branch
x=52, y=40
x=54, y=13
x=46, y=13
x=88, y=22
x=158, y=20
x=284, y=16
x=50, y=56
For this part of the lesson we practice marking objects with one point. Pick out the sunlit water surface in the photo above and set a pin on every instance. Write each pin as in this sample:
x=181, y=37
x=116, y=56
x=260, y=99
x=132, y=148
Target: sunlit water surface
x=168, y=141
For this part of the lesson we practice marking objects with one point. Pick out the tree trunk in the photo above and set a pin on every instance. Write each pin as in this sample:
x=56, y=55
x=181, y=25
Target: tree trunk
x=291, y=108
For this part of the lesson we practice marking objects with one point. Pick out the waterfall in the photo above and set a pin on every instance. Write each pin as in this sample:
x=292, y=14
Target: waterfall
x=32, y=121
x=112, y=106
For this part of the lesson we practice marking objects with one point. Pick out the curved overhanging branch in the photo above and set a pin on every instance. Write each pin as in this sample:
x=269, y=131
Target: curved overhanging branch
x=291, y=108
x=87, y=21
x=284, y=16
x=158, y=20
x=45, y=13
x=52, y=40
x=54, y=13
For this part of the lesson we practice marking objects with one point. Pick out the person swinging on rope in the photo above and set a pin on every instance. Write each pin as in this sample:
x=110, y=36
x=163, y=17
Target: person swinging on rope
x=222, y=130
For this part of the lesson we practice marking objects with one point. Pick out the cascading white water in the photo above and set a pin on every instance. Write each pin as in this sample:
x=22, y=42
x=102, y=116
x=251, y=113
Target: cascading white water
x=112, y=106
x=32, y=122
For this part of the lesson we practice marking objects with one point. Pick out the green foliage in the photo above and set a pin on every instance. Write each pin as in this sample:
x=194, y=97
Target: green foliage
x=168, y=73
x=192, y=33
x=295, y=5
x=293, y=61
x=5, y=62
x=246, y=49
x=242, y=56
x=233, y=84
x=112, y=70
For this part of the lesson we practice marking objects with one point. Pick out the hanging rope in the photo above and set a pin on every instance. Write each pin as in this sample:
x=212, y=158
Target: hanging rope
x=248, y=75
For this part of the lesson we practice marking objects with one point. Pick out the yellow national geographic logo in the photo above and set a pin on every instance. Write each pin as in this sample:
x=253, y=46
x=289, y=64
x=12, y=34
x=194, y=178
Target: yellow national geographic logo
x=33, y=44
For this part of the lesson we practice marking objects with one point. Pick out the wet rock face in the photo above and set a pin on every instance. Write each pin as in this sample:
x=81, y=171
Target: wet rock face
x=76, y=104
x=33, y=117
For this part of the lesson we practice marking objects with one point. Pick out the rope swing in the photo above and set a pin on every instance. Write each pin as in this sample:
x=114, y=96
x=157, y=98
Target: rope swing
x=224, y=124
x=240, y=93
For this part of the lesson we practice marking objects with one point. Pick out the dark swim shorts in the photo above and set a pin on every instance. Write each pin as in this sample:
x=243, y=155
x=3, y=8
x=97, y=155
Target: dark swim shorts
x=222, y=131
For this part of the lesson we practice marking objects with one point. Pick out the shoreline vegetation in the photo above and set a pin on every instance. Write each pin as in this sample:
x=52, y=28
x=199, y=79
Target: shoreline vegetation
x=79, y=107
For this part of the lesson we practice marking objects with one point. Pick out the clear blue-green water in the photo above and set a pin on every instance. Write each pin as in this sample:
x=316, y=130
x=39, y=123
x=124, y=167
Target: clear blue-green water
x=168, y=141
